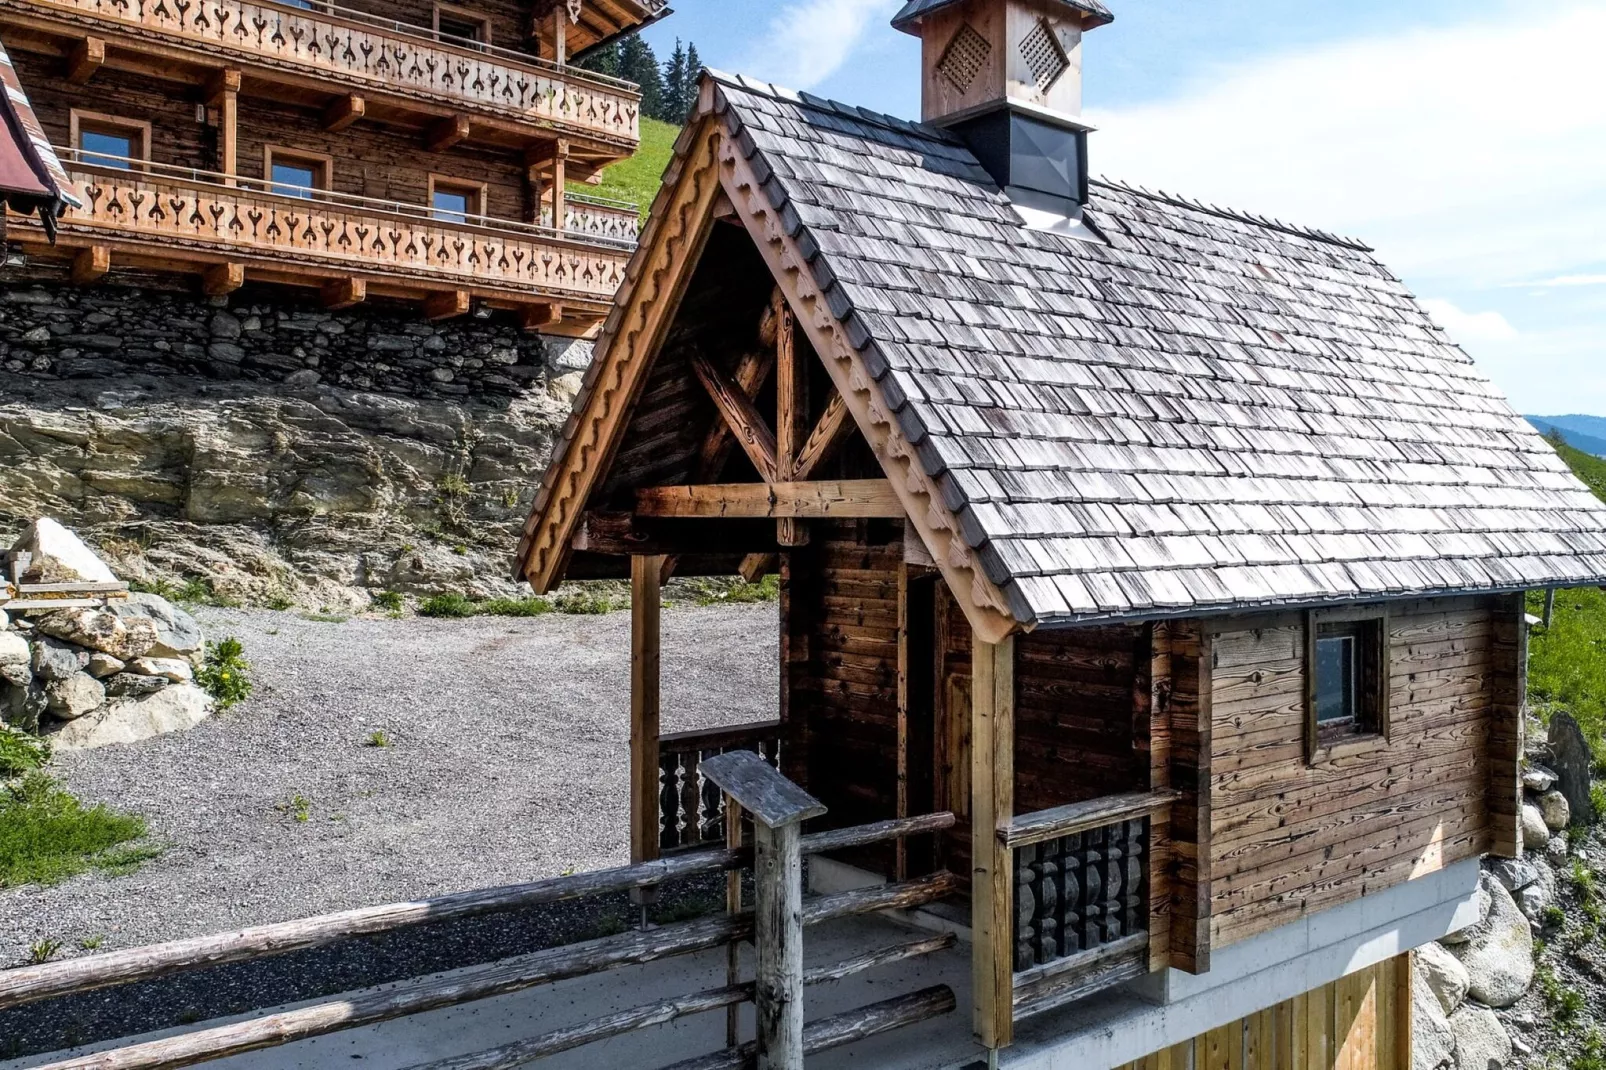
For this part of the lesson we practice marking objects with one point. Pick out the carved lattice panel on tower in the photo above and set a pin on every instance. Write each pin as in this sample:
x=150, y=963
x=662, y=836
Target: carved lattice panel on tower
x=965, y=57
x=1043, y=55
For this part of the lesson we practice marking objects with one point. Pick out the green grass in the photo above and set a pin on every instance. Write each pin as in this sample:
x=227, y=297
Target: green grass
x=20, y=753
x=454, y=604
x=47, y=835
x=637, y=179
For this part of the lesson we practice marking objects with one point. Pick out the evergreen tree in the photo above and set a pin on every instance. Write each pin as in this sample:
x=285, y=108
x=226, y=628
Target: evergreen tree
x=675, y=103
x=694, y=70
x=638, y=64
x=604, y=60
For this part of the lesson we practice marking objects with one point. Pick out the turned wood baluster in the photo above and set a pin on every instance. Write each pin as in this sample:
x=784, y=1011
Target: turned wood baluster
x=1027, y=878
x=711, y=815
x=1114, y=880
x=1071, y=894
x=1050, y=898
x=1092, y=890
x=668, y=800
x=1135, y=916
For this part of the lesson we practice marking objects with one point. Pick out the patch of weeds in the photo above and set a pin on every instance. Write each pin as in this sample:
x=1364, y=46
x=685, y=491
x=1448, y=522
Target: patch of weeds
x=446, y=605
x=767, y=589
x=390, y=601
x=1553, y=917
x=279, y=603
x=1593, y=1053
x=453, y=499
x=1597, y=796
x=47, y=835
x=584, y=603
x=687, y=909
x=607, y=925
x=193, y=591
x=162, y=588
x=460, y=550
x=378, y=739
x=20, y=752
x=1565, y=1003
x=325, y=618
x=510, y=498
x=42, y=951
x=91, y=943
x=225, y=675
x=513, y=607
x=121, y=861
x=298, y=807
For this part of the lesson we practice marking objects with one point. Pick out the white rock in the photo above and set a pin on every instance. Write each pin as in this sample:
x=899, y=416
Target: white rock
x=1461, y=936
x=1556, y=851
x=1535, y=833
x=5, y=620
x=1444, y=975
x=174, y=669
x=1481, y=1042
x=172, y=709
x=177, y=634
x=1432, y=1039
x=104, y=665
x=1556, y=811
x=1499, y=957
x=103, y=630
x=59, y=556
x=1538, y=779
x=74, y=697
x=14, y=649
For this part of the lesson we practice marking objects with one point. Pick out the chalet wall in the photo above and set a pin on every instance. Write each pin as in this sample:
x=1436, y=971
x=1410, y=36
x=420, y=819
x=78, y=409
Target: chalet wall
x=1288, y=839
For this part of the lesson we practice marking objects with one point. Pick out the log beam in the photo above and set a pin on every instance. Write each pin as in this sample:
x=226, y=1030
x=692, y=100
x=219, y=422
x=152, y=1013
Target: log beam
x=823, y=441
x=86, y=57
x=223, y=93
x=91, y=264
x=853, y=498
x=741, y=416
x=447, y=132
x=645, y=727
x=992, y=806
x=625, y=535
x=791, y=414
x=343, y=293
x=447, y=305
x=535, y=317
x=755, y=567
x=220, y=279
x=344, y=112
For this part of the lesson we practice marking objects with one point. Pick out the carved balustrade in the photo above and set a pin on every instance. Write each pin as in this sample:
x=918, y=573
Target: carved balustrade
x=597, y=218
x=691, y=808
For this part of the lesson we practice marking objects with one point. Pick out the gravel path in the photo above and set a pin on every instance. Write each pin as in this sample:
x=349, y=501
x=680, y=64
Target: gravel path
x=508, y=763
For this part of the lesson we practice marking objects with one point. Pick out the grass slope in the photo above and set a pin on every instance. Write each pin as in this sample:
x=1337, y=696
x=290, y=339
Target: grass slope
x=637, y=178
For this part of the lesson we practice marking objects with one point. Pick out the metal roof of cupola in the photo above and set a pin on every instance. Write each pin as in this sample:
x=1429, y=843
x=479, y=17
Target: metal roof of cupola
x=1006, y=76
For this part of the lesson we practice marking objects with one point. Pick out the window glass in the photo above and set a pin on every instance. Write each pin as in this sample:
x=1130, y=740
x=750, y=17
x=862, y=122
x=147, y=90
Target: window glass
x=461, y=29
x=108, y=148
x=453, y=205
x=1336, y=669
x=294, y=178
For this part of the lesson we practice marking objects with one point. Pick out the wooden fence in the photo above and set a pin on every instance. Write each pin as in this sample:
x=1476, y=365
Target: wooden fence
x=775, y=926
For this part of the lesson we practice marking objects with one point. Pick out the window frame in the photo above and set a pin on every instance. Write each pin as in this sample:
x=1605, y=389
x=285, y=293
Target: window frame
x=79, y=119
x=323, y=165
x=1372, y=726
x=479, y=191
x=460, y=14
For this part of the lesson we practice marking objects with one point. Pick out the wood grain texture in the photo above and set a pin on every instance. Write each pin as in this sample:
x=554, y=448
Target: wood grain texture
x=992, y=865
x=645, y=704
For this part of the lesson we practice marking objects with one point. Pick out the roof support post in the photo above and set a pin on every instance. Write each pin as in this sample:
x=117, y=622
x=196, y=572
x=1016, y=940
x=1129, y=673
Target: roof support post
x=560, y=176
x=992, y=805
x=645, y=612
x=791, y=411
x=223, y=93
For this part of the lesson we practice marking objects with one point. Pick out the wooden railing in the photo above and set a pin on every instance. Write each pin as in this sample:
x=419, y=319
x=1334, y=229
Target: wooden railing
x=691, y=808
x=1084, y=896
x=772, y=931
x=597, y=218
x=365, y=53
x=200, y=213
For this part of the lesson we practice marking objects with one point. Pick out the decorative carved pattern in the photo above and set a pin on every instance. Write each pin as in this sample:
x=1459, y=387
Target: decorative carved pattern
x=964, y=57
x=691, y=809
x=1080, y=892
x=596, y=220
x=173, y=212
x=1043, y=55
x=367, y=56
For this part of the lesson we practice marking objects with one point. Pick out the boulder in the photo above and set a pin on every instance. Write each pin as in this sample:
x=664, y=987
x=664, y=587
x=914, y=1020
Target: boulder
x=102, y=630
x=1481, y=1042
x=1556, y=851
x=129, y=720
x=55, y=660
x=1461, y=936
x=1432, y=1039
x=14, y=649
x=24, y=706
x=1535, y=833
x=59, y=556
x=1556, y=811
x=104, y=665
x=74, y=697
x=1444, y=975
x=1539, y=894
x=175, y=669
x=16, y=675
x=1515, y=873
x=5, y=620
x=1573, y=764
x=1499, y=957
x=177, y=634
x=1537, y=778
x=127, y=685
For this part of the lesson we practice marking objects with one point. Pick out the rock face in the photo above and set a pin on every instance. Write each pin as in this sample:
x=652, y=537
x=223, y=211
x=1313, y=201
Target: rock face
x=1482, y=1043
x=1499, y=958
x=54, y=659
x=129, y=720
x=59, y=556
x=176, y=670
x=301, y=454
x=1573, y=764
x=14, y=649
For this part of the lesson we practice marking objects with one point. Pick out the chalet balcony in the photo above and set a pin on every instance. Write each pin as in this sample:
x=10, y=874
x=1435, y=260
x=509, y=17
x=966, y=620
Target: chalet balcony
x=403, y=73
x=227, y=229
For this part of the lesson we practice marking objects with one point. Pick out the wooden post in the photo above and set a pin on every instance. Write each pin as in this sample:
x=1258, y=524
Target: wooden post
x=779, y=807
x=560, y=170
x=645, y=606
x=733, y=907
x=223, y=93
x=560, y=34
x=791, y=413
x=992, y=805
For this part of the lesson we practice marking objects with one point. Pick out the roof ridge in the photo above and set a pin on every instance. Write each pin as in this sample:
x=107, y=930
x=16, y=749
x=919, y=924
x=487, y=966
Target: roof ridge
x=885, y=120
x=1241, y=215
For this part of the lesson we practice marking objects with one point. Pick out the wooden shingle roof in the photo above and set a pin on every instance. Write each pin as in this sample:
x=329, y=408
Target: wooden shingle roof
x=1205, y=410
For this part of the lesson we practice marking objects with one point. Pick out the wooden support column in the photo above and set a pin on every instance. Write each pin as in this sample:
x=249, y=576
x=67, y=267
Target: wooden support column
x=779, y=808
x=791, y=416
x=1510, y=688
x=1190, y=744
x=86, y=57
x=992, y=805
x=645, y=610
x=560, y=34
x=223, y=93
x=560, y=173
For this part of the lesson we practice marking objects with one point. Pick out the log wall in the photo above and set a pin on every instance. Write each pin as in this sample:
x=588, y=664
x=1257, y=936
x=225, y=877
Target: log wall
x=1288, y=838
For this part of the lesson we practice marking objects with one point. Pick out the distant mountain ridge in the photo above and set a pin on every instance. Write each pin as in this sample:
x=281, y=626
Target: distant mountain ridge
x=1586, y=433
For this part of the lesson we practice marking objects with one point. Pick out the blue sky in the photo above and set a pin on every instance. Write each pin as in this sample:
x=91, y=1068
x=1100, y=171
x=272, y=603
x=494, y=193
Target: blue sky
x=1465, y=140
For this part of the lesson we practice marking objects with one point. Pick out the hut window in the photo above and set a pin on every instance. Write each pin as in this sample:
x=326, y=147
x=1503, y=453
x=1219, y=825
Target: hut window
x=292, y=173
x=1348, y=679
x=109, y=141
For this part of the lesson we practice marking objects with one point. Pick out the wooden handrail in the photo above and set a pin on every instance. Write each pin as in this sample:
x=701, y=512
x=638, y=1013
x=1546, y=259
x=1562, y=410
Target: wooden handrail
x=30, y=984
x=716, y=738
x=1044, y=825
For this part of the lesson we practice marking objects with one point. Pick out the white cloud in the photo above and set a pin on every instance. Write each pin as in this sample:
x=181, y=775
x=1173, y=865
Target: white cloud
x=1469, y=326
x=806, y=42
x=1568, y=280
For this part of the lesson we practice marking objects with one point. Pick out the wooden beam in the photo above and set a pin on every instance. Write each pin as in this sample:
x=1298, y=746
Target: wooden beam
x=447, y=305
x=791, y=413
x=444, y=133
x=220, y=279
x=823, y=441
x=91, y=264
x=343, y=293
x=645, y=611
x=223, y=93
x=534, y=317
x=625, y=535
x=755, y=567
x=751, y=371
x=560, y=185
x=86, y=57
x=740, y=415
x=992, y=806
x=810, y=501
x=343, y=112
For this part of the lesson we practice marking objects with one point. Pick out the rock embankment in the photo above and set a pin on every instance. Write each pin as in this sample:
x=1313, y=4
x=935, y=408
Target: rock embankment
x=90, y=676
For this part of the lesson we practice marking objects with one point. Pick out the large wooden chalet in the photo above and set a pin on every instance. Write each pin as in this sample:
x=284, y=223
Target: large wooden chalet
x=1175, y=550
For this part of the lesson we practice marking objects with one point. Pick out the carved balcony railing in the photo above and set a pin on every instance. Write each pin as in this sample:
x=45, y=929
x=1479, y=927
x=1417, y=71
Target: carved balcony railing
x=597, y=217
x=149, y=210
x=362, y=53
x=1084, y=880
x=691, y=809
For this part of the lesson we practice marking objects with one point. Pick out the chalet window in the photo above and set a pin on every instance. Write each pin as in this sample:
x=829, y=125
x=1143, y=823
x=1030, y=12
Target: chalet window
x=460, y=26
x=454, y=201
x=107, y=141
x=1347, y=680
x=296, y=174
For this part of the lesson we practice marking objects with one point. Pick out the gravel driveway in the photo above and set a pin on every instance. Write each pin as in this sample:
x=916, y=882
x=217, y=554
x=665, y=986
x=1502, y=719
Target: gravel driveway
x=508, y=762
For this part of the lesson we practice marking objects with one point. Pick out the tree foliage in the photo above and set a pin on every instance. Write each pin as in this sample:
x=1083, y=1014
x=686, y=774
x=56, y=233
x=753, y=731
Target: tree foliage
x=668, y=89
